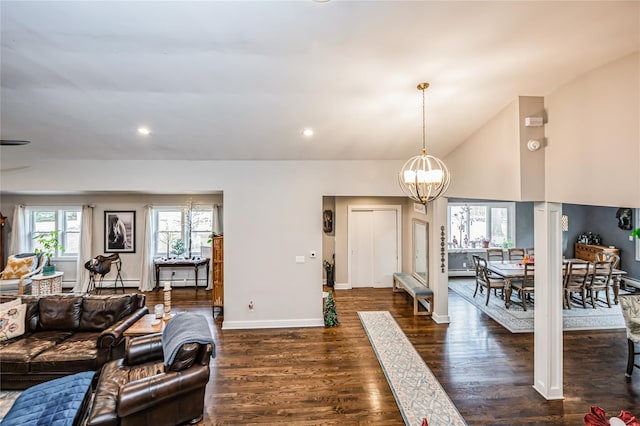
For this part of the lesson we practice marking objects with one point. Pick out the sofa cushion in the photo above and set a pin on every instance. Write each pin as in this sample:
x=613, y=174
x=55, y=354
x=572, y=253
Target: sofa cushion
x=100, y=312
x=17, y=353
x=12, y=320
x=60, y=312
x=76, y=353
x=17, y=267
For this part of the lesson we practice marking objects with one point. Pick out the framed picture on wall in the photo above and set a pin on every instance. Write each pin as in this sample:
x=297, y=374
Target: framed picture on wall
x=119, y=231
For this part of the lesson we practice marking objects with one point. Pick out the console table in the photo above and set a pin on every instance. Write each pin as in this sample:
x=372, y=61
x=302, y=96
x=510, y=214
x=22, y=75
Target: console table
x=181, y=263
x=43, y=285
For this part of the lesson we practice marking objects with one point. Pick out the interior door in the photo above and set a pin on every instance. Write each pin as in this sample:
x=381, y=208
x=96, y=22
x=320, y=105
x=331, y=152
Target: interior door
x=374, y=248
x=362, y=249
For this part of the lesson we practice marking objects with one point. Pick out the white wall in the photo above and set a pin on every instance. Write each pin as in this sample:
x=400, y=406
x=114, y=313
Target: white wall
x=272, y=213
x=486, y=165
x=593, y=152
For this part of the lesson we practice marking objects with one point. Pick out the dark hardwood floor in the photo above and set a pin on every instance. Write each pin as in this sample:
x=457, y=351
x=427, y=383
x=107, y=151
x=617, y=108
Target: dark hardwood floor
x=310, y=376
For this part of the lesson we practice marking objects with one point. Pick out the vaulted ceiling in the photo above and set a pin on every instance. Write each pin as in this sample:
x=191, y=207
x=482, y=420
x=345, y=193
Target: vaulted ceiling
x=240, y=80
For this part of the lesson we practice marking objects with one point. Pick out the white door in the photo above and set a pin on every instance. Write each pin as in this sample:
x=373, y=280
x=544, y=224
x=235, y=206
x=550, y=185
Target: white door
x=374, y=247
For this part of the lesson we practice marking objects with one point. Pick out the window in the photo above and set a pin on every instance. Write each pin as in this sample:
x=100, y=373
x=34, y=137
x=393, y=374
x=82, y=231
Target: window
x=66, y=220
x=182, y=231
x=471, y=224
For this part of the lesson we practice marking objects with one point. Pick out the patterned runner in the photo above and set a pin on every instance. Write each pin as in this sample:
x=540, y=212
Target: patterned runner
x=416, y=390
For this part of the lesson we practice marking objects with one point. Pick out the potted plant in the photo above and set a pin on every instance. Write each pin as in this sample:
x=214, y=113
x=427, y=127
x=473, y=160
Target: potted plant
x=48, y=245
x=636, y=233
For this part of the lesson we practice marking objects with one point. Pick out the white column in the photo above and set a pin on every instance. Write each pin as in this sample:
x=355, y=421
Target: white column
x=438, y=263
x=547, y=341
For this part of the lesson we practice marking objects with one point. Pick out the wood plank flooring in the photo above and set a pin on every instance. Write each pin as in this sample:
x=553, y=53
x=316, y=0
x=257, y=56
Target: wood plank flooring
x=331, y=376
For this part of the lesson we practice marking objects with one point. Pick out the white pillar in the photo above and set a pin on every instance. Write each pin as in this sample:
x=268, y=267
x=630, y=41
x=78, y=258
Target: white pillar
x=438, y=263
x=547, y=341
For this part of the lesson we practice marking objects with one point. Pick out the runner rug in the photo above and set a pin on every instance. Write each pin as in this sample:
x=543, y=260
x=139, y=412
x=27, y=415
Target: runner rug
x=516, y=320
x=416, y=390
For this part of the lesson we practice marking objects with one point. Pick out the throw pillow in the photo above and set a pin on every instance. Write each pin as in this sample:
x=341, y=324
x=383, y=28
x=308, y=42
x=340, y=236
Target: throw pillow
x=12, y=322
x=17, y=267
x=11, y=304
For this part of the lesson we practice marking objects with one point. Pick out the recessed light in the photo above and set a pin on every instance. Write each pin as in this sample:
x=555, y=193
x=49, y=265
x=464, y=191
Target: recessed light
x=144, y=131
x=308, y=132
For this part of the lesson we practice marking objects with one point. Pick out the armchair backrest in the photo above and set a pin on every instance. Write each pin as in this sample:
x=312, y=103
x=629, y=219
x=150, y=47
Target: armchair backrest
x=630, y=304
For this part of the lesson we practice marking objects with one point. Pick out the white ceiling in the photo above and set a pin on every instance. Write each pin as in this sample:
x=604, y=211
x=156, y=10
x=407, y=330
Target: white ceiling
x=239, y=80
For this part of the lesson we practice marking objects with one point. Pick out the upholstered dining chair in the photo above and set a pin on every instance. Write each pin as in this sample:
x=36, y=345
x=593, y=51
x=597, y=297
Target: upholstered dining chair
x=630, y=305
x=575, y=282
x=495, y=254
x=486, y=281
x=525, y=287
x=600, y=280
x=516, y=253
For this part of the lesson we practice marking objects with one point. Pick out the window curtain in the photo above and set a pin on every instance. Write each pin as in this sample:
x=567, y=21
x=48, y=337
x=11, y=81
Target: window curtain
x=86, y=240
x=18, y=242
x=147, y=274
x=217, y=219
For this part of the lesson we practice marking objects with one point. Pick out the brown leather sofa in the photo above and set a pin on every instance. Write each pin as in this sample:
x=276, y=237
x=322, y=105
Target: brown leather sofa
x=140, y=390
x=67, y=334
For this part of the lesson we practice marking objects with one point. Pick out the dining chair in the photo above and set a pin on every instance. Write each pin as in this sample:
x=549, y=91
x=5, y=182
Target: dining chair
x=525, y=287
x=630, y=305
x=516, y=253
x=575, y=282
x=599, y=280
x=495, y=254
x=530, y=251
x=484, y=280
x=608, y=257
x=476, y=269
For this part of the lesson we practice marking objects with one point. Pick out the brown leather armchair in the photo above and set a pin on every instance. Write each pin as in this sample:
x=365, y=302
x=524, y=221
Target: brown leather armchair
x=140, y=390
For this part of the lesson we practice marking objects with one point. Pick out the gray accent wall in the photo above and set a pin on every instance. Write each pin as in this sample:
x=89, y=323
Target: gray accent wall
x=601, y=221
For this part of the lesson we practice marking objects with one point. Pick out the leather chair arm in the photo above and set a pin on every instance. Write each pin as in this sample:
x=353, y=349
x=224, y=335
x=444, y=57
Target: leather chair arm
x=145, y=393
x=113, y=335
x=144, y=349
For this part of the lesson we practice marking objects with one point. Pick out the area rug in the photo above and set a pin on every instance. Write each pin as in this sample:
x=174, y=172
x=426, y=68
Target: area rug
x=416, y=390
x=516, y=320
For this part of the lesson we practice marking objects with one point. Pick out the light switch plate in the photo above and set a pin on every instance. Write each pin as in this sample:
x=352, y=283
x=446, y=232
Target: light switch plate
x=299, y=259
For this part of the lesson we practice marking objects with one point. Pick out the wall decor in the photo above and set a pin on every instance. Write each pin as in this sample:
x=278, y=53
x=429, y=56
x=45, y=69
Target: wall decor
x=625, y=219
x=442, y=248
x=327, y=221
x=120, y=231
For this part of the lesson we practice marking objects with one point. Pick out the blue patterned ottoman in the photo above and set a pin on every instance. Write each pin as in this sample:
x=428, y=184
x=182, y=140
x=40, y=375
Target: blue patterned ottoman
x=58, y=402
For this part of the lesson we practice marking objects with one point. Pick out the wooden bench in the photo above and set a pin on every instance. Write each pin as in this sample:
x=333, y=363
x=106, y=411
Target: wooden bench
x=409, y=284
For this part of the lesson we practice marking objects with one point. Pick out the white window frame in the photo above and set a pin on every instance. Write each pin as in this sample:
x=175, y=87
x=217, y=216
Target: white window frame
x=60, y=224
x=185, y=234
x=511, y=212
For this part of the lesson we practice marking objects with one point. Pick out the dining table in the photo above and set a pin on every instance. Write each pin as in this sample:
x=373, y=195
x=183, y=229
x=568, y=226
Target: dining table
x=510, y=270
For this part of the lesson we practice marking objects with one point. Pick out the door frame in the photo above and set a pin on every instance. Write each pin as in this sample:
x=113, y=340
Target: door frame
x=377, y=207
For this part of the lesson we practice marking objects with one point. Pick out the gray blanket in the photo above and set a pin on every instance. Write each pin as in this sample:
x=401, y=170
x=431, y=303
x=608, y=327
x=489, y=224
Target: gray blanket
x=185, y=328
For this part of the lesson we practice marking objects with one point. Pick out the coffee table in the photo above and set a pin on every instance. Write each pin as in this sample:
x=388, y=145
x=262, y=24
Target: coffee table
x=145, y=325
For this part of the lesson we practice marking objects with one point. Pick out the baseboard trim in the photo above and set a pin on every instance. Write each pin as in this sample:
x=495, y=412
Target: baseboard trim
x=342, y=286
x=441, y=319
x=243, y=325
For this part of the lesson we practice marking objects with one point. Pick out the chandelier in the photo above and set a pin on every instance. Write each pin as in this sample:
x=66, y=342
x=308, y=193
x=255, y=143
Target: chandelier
x=424, y=178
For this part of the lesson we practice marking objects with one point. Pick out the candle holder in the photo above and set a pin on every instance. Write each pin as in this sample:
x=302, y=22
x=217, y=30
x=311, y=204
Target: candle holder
x=167, y=300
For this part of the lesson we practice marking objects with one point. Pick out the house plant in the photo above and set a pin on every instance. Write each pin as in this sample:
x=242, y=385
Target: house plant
x=48, y=244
